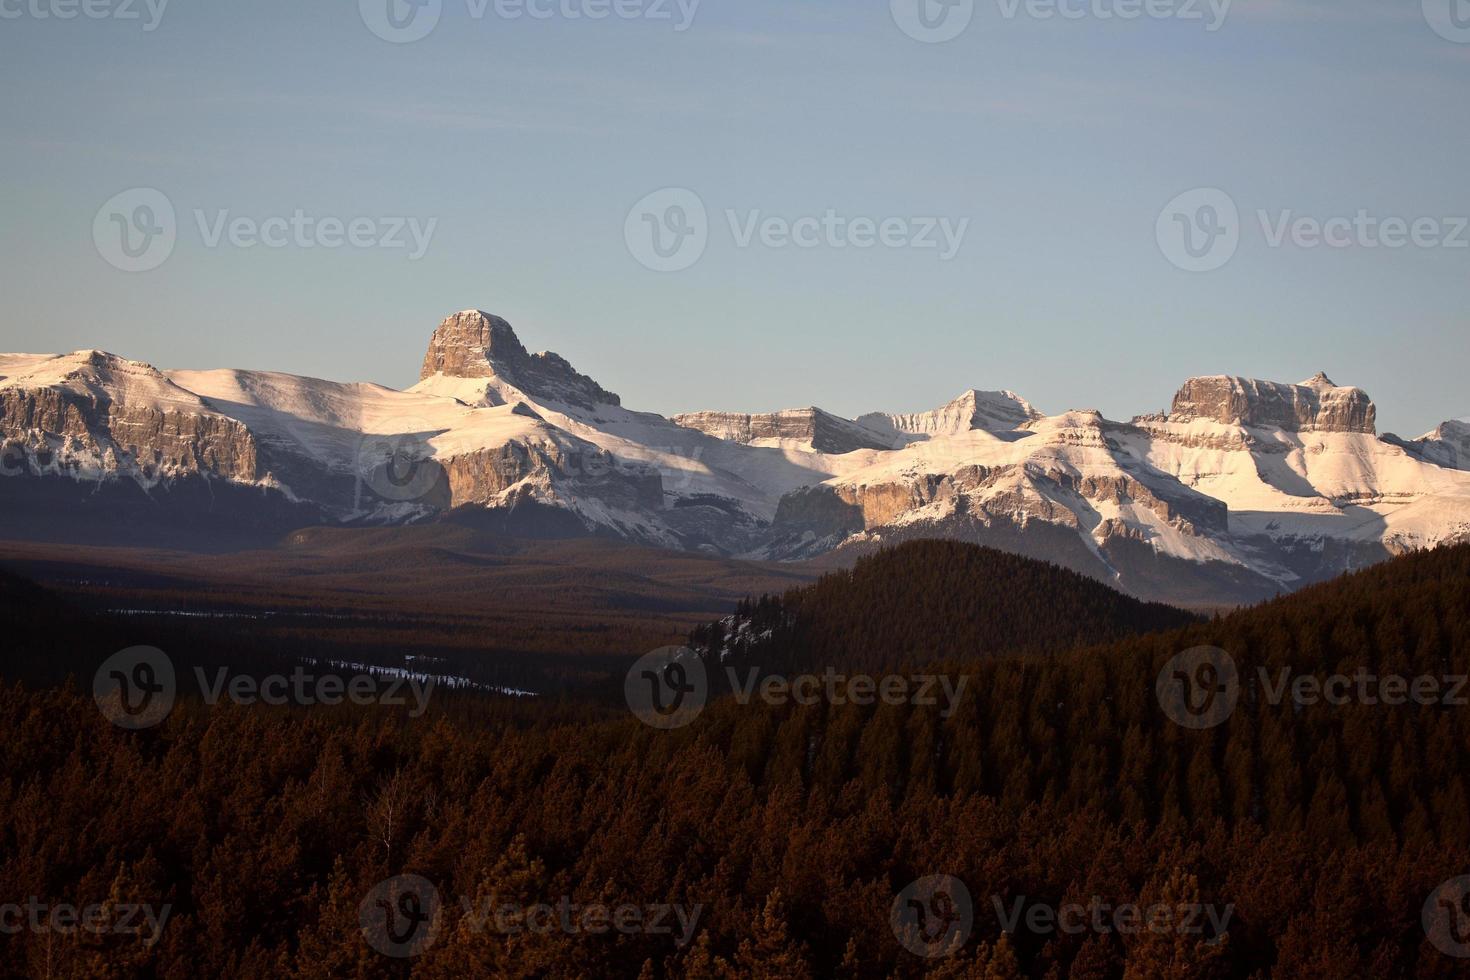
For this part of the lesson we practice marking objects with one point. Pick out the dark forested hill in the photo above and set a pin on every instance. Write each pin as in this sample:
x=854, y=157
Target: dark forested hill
x=1320, y=830
x=932, y=601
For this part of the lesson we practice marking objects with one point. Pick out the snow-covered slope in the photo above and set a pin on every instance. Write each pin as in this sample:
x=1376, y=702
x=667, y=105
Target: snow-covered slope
x=1242, y=489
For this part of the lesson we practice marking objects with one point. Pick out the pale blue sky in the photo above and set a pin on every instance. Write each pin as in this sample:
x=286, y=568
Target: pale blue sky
x=529, y=141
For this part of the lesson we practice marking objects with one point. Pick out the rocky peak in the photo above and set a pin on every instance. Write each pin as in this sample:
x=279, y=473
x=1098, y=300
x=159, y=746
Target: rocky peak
x=1315, y=405
x=990, y=411
x=474, y=344
x=1447, y=446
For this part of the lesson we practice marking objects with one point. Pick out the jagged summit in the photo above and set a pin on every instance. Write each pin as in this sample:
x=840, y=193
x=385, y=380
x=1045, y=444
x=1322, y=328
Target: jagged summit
x=475, y=344
x=1315, y=405
x=990, y=411
x=1447, y=446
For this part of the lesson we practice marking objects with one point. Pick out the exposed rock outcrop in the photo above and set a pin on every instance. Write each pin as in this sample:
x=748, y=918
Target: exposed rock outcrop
x=989, y=411
x=1315, y=405
x=474, y=344
x=98, y=416
x=823, y=431
x=1447, y=446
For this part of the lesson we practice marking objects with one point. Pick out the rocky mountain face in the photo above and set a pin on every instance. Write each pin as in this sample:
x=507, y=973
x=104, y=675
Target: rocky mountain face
x=990, y=411
x=1447, y=446
x=474, y=344
x=91, y=415
x=1243, y=489
x=815, y=429
x=1316, y=405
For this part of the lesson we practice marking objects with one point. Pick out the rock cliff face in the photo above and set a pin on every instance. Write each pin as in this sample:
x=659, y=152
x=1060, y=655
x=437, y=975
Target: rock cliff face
x=823, y=431
x=1316, y=405
x=473, y=344
x=94, y=415
x=480, y=477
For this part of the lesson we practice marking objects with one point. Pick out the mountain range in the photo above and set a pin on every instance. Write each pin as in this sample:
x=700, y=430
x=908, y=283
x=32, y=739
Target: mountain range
x=1241, y=490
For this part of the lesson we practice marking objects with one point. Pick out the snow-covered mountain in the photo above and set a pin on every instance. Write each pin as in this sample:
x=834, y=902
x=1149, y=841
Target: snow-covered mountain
x=1244, y=488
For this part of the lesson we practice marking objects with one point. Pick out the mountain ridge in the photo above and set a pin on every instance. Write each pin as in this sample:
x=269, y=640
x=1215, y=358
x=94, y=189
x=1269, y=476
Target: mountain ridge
x=1244, y=488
